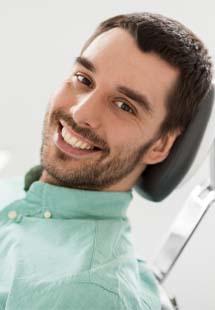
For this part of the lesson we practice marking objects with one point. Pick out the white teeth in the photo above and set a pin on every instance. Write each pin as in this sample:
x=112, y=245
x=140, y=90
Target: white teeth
x=84, y=145
x=70, y=139
x=63, y=131
x=78, y=143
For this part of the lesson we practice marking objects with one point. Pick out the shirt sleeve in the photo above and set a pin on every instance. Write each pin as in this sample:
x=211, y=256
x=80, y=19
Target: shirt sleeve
x=70, y=296
x=88, y=296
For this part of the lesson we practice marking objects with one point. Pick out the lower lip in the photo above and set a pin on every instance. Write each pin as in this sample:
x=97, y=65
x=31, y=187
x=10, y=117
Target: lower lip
x=68, y=149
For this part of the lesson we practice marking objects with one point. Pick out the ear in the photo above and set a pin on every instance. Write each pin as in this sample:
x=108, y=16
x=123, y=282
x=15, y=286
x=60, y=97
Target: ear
x=161, y=148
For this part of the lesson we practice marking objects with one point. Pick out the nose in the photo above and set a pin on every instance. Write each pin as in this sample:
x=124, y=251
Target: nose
x=88, y=109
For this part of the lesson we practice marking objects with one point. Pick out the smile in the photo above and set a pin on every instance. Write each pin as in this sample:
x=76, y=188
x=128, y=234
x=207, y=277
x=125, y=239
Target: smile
x=71, y=143
x=75, y=139
x=72, y=140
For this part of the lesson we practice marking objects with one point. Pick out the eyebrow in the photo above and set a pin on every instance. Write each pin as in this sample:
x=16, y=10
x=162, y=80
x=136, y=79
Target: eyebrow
x=85, y=63
x=139, y=98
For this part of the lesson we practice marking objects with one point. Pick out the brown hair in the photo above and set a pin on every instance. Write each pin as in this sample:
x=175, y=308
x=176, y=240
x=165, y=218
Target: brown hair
x=177, y=45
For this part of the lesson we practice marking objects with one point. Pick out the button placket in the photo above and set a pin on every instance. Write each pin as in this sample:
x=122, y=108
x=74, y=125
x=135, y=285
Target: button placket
x=47, y=214
x=14, y=216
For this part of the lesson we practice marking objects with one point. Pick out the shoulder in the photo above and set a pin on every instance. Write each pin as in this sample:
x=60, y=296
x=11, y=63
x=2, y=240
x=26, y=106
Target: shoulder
x=11, y=189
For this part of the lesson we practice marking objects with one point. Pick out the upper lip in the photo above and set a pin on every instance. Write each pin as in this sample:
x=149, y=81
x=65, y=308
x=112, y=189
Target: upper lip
x=78, y=136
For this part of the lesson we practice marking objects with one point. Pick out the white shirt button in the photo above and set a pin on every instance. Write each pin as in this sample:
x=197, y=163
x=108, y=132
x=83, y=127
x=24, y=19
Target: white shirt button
x=12, y=215
x=47, y=214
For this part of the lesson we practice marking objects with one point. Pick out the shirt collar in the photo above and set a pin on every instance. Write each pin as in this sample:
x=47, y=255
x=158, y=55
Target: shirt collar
x=65, y=202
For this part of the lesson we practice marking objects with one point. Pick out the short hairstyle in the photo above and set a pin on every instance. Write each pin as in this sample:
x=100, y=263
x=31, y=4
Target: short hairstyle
x=181, y=48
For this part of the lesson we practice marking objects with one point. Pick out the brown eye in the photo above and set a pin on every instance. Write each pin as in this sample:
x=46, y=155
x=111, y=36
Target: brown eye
x=124, y=106
x=83, y=80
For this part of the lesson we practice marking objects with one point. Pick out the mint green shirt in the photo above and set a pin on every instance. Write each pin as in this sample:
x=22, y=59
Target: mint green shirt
x=64, y=248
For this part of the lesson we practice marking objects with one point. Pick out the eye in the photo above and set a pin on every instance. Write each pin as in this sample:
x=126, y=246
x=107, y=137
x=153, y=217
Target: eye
x=124, y=106
x=83, y=80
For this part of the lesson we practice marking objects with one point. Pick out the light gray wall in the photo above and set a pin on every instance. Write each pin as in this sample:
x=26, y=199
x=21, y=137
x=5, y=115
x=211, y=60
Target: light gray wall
x=39, y=40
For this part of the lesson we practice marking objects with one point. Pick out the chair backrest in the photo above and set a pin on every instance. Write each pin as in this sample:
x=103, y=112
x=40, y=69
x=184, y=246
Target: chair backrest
x=158, y=181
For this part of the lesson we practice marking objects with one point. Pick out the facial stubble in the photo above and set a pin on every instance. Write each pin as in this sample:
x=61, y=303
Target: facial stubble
x=89, y=174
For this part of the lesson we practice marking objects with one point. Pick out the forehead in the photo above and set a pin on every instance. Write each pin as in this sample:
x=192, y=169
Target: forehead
x=118, y=60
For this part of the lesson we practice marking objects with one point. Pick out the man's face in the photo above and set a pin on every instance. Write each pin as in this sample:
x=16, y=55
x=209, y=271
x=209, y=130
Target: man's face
x=113, y=99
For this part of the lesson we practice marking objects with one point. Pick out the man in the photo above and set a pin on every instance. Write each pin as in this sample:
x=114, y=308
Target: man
x=67, y=243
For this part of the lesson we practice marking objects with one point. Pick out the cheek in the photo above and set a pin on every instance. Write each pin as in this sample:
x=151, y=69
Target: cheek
x=62, y=97
x=123, y=139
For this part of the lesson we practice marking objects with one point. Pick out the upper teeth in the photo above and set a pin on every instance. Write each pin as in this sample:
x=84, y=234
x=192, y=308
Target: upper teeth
x=72, y=140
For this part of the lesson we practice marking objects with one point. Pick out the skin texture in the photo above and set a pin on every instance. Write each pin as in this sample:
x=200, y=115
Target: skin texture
x=90, y=104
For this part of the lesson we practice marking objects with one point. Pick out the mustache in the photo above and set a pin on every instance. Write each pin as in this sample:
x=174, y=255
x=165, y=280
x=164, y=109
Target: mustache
x=85, y=132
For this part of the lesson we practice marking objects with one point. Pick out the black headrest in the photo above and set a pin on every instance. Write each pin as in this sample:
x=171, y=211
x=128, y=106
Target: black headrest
x=158, y=181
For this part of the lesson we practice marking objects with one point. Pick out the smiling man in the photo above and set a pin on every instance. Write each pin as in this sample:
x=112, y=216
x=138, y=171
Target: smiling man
x=67, y=243
x=106, y=115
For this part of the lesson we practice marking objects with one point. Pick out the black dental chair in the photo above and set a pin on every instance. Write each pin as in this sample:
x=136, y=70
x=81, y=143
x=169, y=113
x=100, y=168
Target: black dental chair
x=158, y=181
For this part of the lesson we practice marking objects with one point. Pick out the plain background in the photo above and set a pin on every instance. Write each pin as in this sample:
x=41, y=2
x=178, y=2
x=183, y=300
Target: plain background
x=38, y=43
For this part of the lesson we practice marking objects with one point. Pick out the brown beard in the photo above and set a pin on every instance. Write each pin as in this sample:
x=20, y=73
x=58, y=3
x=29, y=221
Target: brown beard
x=96, y=175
